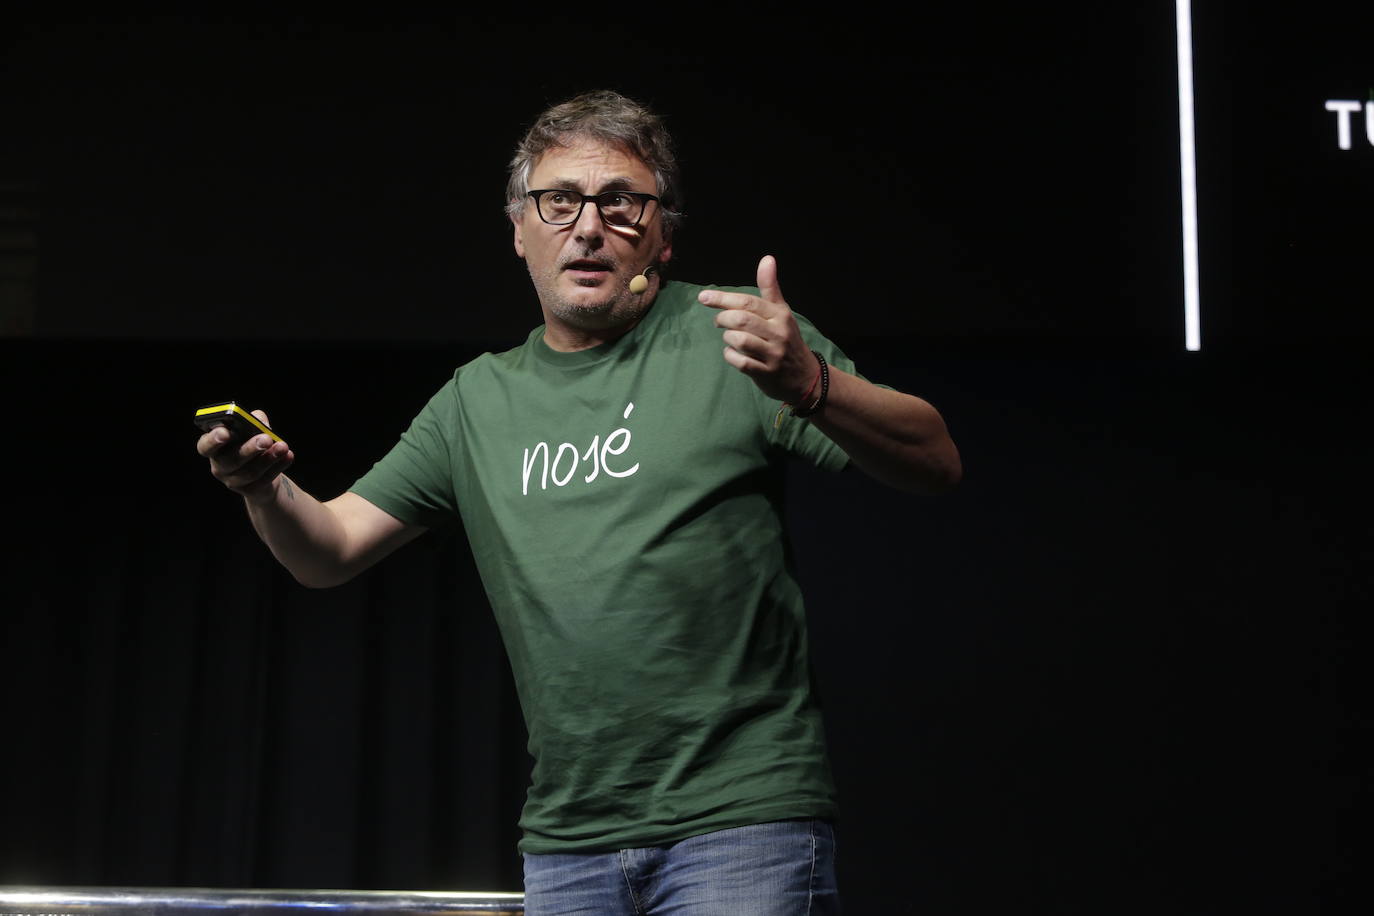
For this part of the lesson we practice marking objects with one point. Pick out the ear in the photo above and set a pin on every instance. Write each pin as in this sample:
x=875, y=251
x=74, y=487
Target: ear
x=518, y=223
x=665, y=254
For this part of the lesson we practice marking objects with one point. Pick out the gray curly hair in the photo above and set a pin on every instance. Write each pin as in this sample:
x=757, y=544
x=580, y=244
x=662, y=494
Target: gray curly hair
x=612, y=118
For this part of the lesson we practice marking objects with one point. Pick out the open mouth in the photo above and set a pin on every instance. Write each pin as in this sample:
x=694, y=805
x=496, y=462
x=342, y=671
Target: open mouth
x=588, y=270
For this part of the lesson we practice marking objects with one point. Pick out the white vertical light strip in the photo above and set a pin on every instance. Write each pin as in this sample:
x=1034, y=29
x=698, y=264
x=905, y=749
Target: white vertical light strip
x=1192, y=322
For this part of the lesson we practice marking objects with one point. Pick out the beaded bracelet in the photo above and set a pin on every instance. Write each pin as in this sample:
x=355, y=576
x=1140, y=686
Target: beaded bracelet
x=825, y=390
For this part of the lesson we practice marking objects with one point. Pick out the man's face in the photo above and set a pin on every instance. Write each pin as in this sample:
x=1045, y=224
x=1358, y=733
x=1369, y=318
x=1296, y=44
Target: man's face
x=582, y=271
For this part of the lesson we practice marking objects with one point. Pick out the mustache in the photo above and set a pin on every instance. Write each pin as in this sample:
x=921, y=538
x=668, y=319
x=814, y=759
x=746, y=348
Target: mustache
x=589, y=260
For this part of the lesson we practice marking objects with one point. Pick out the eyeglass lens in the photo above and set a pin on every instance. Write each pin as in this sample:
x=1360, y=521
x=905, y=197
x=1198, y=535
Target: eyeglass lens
x=616, y=209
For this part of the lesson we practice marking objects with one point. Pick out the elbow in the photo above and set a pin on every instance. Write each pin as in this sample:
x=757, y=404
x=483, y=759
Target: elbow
x=935, y=459
x=920, y=470
x=920, y=478
x=938, y=472
x=320, y=578
x=951, y=478
x=311, y=581
x=951, y=470
x=936, y=481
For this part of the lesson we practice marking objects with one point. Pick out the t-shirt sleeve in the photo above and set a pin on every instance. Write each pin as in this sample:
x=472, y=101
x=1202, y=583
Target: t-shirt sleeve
x=414, y=481
x=796, y=435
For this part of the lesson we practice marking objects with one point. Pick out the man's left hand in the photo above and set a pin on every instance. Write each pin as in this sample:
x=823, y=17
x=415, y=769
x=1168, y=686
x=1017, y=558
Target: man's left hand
x=762, y=338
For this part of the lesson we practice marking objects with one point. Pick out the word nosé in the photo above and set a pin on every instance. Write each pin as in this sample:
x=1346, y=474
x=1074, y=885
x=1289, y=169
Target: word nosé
x=596, y=453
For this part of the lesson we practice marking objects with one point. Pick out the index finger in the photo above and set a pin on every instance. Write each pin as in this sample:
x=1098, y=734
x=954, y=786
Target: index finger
x=209, y=444
x=720, y=299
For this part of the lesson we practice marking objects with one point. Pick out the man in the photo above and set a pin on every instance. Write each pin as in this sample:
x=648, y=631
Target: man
x=620, y=485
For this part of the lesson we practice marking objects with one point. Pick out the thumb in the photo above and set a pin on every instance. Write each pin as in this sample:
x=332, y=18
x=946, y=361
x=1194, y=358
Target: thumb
x=768, y=279
x=262, y=415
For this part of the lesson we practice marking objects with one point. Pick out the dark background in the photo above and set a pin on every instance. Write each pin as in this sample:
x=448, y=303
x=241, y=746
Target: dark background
x=1122, y=668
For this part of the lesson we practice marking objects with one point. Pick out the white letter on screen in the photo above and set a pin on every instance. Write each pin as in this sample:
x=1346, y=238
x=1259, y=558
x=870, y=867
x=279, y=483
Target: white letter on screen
x=1192, y=309
x=1343, y=111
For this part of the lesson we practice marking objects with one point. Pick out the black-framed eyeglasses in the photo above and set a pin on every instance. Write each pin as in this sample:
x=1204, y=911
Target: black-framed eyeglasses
x=560, y=207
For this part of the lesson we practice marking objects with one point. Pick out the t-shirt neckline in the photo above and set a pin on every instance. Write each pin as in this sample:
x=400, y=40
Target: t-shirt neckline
x=575, y=359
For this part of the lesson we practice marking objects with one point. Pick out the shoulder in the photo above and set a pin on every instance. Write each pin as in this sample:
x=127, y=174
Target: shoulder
x=677, y=303
x=495, y=363
x=684, y=293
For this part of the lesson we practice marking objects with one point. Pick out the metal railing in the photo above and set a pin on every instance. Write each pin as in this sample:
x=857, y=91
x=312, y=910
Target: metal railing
x=203, y=901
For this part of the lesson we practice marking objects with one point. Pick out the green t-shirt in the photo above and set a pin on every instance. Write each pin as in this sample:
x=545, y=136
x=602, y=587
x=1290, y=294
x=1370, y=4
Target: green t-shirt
x=623, y=506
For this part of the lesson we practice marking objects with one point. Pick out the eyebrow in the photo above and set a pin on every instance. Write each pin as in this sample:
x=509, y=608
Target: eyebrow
x=618, y=183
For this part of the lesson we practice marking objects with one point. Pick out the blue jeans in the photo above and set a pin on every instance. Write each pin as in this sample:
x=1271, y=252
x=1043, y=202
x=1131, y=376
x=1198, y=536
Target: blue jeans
x=785, y=868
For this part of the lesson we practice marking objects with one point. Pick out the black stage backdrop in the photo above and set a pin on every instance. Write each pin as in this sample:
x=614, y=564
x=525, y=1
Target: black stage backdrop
x=1122, y=668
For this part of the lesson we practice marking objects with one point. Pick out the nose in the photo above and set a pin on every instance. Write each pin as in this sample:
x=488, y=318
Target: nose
x=589, y=229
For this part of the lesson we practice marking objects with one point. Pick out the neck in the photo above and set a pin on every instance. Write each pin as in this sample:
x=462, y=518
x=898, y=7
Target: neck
x=568, y=339
x=569, y=330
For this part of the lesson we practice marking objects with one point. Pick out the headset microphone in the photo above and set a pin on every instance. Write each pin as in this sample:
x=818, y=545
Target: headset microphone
x=640, y=283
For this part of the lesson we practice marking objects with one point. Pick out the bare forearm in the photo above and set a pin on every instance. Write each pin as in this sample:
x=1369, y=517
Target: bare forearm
x=896, y=438
x=899, y=439
x=321, y=544
x=304, y=534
